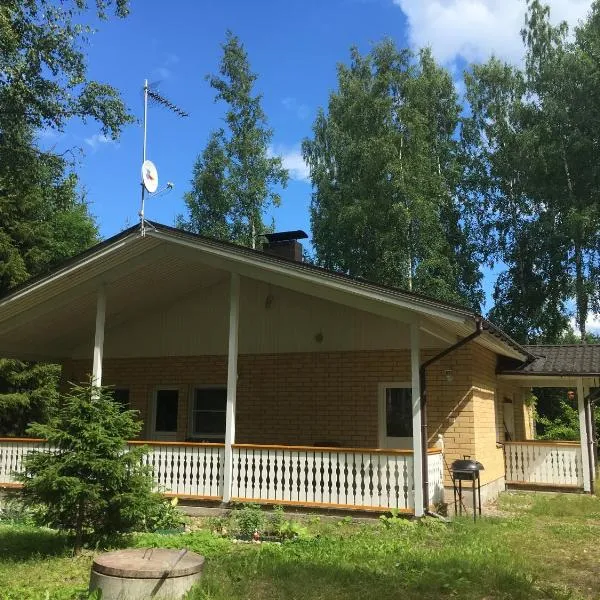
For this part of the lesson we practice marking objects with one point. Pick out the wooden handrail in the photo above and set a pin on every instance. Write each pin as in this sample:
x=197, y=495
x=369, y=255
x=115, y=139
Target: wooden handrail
x=332, y=449
x=159, y=443
x=26, y=440
x=542, y=443
x=390, y=451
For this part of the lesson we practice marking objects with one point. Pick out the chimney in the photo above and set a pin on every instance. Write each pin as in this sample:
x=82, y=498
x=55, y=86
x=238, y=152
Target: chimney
x=285, y=244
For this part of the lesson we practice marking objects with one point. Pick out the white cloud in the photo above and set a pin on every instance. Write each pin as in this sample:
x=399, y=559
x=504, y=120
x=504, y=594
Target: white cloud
x=474, y=29
x=163, y=72
x=98, y=139
x=592, y=323
x=292, y=160
x=301, y=110
x=46, y=133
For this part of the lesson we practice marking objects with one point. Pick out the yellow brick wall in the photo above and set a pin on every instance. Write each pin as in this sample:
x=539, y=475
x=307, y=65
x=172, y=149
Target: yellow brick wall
x=303, y=398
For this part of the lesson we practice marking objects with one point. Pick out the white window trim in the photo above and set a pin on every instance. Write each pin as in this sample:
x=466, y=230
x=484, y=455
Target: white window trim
x=159, y=388
x=381, y=406
x=192, y=396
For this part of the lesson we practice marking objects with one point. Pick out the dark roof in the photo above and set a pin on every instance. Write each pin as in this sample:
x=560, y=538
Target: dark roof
x=176, y=232
x=567, y=359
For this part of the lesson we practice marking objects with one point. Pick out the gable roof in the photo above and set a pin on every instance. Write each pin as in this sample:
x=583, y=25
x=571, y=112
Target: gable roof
x=567, y=359
x=130, y=244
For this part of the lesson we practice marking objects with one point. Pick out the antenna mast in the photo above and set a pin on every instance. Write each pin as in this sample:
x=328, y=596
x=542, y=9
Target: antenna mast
x=143, y=228
x=149, y=176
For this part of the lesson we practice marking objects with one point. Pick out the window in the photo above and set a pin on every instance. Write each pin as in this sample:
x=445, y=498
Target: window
x=208, y=413
x=166, y=409
x=398, y=403
x=121, y=397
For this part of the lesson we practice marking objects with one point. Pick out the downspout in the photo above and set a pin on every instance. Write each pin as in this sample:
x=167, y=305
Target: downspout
x=424, y=428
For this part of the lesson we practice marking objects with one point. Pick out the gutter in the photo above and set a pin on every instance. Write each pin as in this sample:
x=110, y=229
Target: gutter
x=479, y=329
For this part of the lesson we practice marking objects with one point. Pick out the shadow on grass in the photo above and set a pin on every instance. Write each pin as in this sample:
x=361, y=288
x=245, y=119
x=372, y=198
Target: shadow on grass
x=22, y=543
x=275, y=577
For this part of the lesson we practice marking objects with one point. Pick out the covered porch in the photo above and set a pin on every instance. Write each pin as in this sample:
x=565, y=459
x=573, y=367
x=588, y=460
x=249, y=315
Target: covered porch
x=341, y=478
x=264, y=379
x=548, y=464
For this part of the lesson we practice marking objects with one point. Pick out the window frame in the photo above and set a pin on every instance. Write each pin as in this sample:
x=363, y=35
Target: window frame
x=382, y=407
x=153, y=432
x=193, y=435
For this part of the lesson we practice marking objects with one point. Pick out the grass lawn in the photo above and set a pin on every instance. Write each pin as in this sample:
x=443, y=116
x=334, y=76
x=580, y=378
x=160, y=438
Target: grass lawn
x=546, y=547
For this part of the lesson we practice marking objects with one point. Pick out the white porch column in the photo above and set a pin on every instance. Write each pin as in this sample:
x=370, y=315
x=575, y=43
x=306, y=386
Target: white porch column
x=99, y=337
x=415, y=363
x=232, y=358
x=583, y=437
x=589, y=414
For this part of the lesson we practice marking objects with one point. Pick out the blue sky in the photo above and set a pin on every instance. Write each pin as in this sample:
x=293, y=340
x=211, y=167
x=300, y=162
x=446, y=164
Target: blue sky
x=293, y=46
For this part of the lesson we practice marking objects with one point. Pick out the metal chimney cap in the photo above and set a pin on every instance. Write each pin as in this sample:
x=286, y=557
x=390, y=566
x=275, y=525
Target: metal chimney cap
x=285, y=236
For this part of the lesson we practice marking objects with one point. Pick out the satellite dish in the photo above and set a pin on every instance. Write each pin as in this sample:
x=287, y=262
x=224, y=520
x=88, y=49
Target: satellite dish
x=149, y=176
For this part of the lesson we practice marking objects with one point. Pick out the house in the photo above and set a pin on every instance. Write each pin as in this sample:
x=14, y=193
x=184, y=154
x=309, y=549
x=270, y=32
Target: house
x=260, y=377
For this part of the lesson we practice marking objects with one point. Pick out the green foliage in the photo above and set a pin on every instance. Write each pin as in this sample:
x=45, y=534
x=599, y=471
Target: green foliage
x=565, y=426
x=248, y=519
x=396, y=520
x=532, y=180
x=28, y=392
x=44, y=218
x=14, y=512
x=385, y=169
x=495, y=558
x=43, y=66
x=234, y=178
x=277, y=520
x=91, y=485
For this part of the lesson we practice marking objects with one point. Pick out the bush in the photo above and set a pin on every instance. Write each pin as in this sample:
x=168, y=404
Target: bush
x=564, y=427
x=14, y=512
x=248, y=519
x=92, y=485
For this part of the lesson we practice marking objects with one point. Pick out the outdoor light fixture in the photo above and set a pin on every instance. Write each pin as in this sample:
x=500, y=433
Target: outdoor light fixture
x=449, y=375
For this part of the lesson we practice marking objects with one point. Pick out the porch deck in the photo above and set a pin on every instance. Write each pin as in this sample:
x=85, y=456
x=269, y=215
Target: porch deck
x=544, y=464
x=320, y=477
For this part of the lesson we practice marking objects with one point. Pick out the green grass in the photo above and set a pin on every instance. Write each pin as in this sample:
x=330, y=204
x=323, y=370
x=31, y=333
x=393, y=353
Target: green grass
x=545, y=548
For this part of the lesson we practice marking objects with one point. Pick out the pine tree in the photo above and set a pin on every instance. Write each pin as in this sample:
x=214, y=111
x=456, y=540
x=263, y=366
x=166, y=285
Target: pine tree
x=234, y=178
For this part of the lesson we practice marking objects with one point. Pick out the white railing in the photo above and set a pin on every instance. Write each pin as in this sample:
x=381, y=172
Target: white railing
x=543, y=463
x=435, y=466
x=12, y=451
x=334, y=477
x=342, y=477
x=186, y=469
x=179, y=468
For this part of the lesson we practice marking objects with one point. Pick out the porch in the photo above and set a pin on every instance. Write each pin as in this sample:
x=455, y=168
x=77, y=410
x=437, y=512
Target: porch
x=541, y=464
x=342, y=478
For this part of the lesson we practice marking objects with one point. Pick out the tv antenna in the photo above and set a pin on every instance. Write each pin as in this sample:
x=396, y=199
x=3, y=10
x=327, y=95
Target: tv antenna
x=149, y=171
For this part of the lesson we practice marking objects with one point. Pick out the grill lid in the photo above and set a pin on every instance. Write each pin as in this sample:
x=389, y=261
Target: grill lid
x=467, y=464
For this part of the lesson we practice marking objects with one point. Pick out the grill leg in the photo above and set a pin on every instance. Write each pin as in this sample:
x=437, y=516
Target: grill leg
x=460, y=503
x=454, y=488
x=474, y=499
x=479, y=492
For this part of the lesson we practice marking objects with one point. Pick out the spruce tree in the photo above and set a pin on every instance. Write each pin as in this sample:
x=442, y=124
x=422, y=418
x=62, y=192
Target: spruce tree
x=88, y=482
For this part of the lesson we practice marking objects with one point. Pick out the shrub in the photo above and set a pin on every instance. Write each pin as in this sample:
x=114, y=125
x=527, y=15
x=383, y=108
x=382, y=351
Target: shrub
x=14, y=512
x=248, y=519
x=91, y=484
x=277, y=520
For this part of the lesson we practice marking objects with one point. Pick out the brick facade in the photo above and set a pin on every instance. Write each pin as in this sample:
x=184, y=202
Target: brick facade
x=306, y=398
